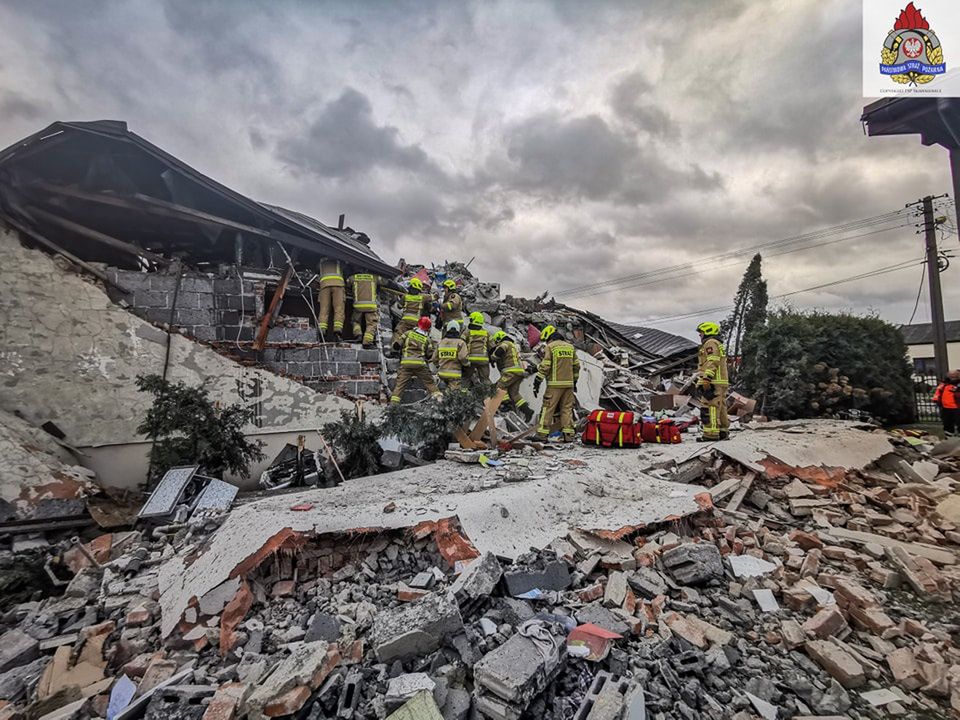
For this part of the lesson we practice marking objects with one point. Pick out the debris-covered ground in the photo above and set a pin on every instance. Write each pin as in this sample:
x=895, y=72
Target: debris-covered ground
x=802, y=588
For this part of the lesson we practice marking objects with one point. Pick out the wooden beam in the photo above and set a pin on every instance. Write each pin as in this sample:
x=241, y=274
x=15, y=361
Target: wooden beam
x=96, y=235
x=741, y=492
x=147, y=204
x=267, y=320
x=490, y=408
x=941, y=556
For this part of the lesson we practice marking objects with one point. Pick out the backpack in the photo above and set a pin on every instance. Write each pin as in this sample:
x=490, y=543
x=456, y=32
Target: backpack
x=664, y=431
x=606, y=428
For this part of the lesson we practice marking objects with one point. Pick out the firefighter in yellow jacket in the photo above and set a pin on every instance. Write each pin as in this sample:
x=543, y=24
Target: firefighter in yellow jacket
x=712, y=384
x=416, y=349
x=416, y=304
x=451, y=307
x=478, y=342
x=332, y=296
x=450, y=357
x=560, y=368
x=504, y=355
x=365, y=311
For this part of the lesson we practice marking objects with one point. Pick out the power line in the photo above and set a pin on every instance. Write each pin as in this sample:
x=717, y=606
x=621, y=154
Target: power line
x=806, y=237
x=734, y=261
x=862, y=276
x=923, y=275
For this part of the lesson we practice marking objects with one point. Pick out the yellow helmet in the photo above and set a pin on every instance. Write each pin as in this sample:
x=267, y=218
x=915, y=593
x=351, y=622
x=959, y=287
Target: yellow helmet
x=450, y=284
x=708, y=329
x=498, y=337
x=416, y=283
x=547, y=333
x=476, y=318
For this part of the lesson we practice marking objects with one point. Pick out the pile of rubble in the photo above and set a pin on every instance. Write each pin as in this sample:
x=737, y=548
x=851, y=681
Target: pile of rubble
x=803, y=591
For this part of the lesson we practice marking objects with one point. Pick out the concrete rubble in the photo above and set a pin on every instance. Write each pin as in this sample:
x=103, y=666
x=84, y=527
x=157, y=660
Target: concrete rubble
x=733, y=605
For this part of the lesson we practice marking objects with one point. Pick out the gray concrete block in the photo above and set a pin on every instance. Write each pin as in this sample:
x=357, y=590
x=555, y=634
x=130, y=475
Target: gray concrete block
x=552, y=576
x=368, y=356
x=206, y=333
x=205, y=301
x=227, y=317
x=18, y=648
x=301, y=335
x=343, y=354
x=196, y=284
x=131, y=281
x=151, y=299
x=518, y=671
x=226, y=286
x=367, y=387
x=693, y=563
x=457, y=706
x=416, y=629
x=154, y=315
x=295, y=354
x=478, y=579
x=323, y=627
x=348, y=368
x=187, y=300
x=193, y=317
x=162, y=283
x=277, y=335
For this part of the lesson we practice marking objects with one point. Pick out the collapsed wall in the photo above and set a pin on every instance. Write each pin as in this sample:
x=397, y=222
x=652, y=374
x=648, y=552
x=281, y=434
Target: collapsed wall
x=70, y=355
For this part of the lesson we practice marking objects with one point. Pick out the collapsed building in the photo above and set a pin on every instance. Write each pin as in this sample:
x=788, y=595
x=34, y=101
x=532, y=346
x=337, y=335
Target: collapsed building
x=800, y=569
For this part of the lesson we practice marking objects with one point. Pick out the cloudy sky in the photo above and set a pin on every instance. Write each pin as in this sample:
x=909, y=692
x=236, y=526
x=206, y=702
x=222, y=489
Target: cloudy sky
x=561, y=143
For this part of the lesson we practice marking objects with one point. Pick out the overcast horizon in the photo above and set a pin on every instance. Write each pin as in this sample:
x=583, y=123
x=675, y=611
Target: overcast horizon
x=558, y=143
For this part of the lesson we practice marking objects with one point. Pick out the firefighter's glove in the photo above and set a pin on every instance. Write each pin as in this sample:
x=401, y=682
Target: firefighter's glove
x=537, y=382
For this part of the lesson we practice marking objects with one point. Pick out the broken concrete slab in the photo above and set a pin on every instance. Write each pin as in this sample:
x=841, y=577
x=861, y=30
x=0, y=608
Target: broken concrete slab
x=16, y=649
x=693, y=563
x=553, y=575
x=640, y=499
x=403, y=687
x=478, y=578
x=520, y=669
x=421, y=706
x=415, y=629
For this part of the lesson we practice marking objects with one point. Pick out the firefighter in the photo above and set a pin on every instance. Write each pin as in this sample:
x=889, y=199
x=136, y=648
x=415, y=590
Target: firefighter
x=478, y=343
x=560, y=368
x=947, y=398
x=451, y=307
x=365, y=311
x=504, y=355
x=450, y=357
x=416, y=349
x=416, y=304
x=332, y=296
x=712, y=384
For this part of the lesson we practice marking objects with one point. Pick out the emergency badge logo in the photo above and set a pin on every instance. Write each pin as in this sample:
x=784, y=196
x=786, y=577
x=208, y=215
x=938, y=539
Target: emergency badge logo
x=912, y=53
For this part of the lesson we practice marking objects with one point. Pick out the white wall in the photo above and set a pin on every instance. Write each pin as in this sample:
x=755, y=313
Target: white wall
x=926, y=351
x=68, y=354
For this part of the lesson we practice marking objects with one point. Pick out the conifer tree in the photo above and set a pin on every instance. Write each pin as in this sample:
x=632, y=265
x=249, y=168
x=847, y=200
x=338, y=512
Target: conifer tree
x=749, y=312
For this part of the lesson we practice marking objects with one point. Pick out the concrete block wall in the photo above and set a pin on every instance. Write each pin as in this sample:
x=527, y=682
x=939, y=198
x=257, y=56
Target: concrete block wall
x=225, y=312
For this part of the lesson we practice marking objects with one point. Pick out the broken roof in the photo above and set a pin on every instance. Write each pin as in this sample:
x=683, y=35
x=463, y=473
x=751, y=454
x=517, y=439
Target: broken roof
x=922, y=333
x=656, y=342
x=83, y=184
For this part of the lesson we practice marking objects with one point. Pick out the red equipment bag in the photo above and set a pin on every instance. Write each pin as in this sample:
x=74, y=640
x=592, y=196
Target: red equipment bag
x=664, y=431
x=612, y=429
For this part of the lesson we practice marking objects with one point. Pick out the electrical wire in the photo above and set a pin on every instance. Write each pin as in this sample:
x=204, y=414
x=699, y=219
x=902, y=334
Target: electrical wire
x=923, y=276
x=862, y=276
x=735, y=261
x=893, y=216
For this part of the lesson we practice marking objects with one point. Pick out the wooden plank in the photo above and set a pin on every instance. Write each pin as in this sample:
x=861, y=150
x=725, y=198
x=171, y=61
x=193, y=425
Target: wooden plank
x=267, y=320
x=97, y=236
x=52, y=246
x=466, y=443
x=741, y=492
x=490, y=408
x=722, y=489
x=938, y=555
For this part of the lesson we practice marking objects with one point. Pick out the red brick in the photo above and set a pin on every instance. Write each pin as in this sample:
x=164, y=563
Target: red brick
x=850, y=592
x=288, y=703
x=223, y=705
x=284, y=588
x=905, y=669
x=841, y=665
x=409, y=594
x=811, y=564
x=589, y=594
x=808, y=541
x=138, y=617
x=829, y=622
x=870, y=618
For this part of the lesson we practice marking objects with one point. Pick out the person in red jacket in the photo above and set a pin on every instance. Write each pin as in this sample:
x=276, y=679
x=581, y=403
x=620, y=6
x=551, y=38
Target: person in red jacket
x=947, y=398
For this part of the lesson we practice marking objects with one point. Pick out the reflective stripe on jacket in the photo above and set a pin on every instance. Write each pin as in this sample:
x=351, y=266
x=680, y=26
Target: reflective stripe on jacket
x=560, y=366
x=712, y=362
x=507, y=358
x=413, y=307
x=450, y=358
x=417, y=348
x=478, y=342
x=364, y=292
x=330, y=273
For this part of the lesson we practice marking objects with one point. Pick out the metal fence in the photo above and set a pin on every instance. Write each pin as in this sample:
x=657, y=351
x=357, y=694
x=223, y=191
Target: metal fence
x=923, y=387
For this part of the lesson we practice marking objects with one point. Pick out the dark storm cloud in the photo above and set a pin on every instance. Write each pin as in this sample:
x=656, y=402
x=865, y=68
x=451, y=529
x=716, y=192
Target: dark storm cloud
x=585, y=158
x=630, y=99
x=344, y=140
x=13, y=105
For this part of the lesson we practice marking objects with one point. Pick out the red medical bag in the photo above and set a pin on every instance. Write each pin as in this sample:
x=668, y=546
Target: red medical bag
x=664, y=431
x=607, y=428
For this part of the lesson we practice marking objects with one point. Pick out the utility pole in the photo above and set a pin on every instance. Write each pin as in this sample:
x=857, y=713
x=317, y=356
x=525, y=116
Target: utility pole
x=933, y=277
